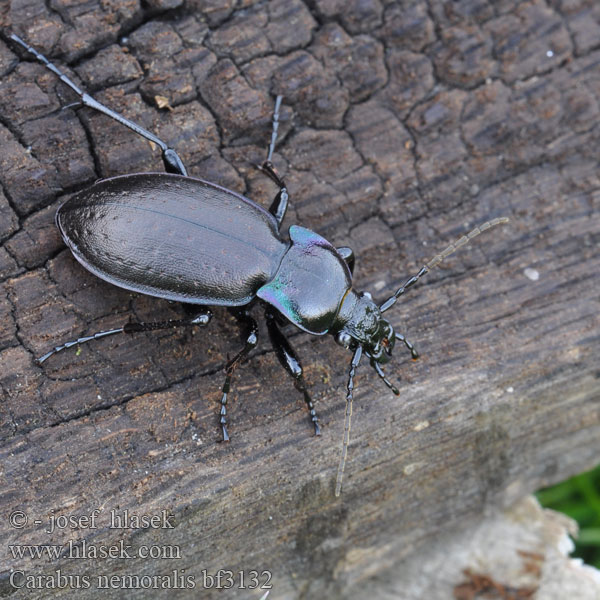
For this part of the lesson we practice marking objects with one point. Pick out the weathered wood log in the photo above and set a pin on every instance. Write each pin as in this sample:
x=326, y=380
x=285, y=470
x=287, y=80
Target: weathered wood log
x=520, y=553
x=403, y=125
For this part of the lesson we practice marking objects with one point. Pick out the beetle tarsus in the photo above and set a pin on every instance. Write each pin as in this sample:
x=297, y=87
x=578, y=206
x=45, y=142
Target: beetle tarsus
x=279, y=205
x=311, y=410
x=81, y=340
x=224, y=420
x=201, y=319
x=381, y=374
x=275, y=127
x=317, y=428
x=223, y=410
x=413, y=352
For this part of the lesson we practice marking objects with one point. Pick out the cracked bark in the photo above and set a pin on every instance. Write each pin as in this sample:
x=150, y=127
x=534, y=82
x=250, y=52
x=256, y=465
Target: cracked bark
x=402, y=126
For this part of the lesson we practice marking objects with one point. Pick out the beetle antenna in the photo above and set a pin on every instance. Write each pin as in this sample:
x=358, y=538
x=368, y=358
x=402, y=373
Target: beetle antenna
x=438, y=258
x=348, y=420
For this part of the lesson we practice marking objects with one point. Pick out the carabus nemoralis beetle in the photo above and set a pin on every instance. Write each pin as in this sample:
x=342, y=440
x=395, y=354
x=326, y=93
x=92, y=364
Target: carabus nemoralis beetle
x=188, y=240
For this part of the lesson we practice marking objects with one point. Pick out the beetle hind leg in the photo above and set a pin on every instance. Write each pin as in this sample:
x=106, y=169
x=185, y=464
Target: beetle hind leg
x=201, y=319
x=288, y=358
x=171, y=160
x=275, y=128
x=82, y=340
x=279, y=205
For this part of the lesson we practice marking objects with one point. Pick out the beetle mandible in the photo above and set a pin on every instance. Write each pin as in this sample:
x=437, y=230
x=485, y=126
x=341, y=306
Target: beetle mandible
x=228, y=251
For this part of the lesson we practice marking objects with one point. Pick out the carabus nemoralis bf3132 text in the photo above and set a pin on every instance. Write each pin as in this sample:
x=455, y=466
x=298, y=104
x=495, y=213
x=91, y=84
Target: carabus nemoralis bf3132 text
x=188, y=240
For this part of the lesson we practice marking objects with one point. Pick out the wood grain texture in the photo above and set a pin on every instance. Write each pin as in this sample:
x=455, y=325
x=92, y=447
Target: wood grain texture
x=404, y=124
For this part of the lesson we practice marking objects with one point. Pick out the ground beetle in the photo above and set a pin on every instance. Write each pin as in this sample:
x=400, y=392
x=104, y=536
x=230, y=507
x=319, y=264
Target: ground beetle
x=188, y=240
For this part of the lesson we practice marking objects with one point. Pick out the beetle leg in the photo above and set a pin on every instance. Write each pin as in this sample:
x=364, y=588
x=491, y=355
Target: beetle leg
x=348, y=255
x=288, y=358
x=275, y=128
x=381, y=374
x=171, y=160
x=200, y=319
x=251, y=341
x=279, y=205
x=412, y=349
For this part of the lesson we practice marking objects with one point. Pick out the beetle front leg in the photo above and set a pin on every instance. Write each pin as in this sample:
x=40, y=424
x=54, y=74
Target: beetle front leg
x=288, y=358
x=411, y=348
x=381, y=374
x=251, y=341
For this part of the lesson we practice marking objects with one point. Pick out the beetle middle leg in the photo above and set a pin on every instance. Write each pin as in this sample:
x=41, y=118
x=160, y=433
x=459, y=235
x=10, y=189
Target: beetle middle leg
x=288, y=358
x=251, y=340
x=171, y=160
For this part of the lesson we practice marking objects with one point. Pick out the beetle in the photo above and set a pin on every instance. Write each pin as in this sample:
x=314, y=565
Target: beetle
x=188, y=240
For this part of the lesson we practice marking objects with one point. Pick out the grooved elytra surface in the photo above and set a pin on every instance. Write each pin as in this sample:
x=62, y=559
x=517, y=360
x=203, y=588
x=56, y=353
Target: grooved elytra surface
x=403, y=125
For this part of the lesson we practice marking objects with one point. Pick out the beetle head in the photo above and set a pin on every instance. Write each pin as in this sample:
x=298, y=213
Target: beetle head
x=364, y=325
